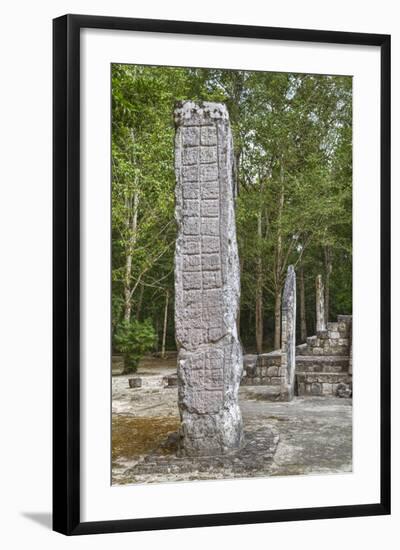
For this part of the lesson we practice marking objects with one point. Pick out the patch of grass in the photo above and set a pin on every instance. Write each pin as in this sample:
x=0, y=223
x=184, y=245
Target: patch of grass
x=135, y=436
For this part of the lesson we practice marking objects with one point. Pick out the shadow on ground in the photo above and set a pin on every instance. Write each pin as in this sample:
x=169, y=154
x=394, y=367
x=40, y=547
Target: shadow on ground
x=45, y=519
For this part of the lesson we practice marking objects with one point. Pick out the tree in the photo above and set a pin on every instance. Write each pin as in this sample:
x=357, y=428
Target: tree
x=292, y=149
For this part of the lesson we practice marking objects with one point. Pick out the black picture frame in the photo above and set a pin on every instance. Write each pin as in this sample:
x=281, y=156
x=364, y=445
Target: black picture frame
x=66, y=273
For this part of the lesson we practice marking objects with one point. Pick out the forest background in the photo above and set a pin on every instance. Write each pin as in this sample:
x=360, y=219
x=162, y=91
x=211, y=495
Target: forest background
x=293, y=156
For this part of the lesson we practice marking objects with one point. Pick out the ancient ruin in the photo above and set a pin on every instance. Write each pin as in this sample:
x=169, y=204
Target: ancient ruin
x=209, y=381
x=207, y=282
x=288, y=354
x=319, y=304
x=322, y=366
x=323, y=363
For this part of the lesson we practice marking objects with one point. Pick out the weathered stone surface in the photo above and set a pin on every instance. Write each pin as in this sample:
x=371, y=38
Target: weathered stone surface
x=344, y=390
x=314, y=437
x=135, y=382
x=321, y=383
x=332, y=325
x=207, y=282
x=172, y=380
x=288, y=357
x=351, y=356
x=322, y=360
x=253, y=457
x=320, y=304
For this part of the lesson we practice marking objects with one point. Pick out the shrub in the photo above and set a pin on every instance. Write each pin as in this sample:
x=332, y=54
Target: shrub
x=133, y=339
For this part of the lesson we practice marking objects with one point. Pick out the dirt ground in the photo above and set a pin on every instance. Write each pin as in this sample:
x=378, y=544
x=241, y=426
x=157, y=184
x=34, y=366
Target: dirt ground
x=310, y=435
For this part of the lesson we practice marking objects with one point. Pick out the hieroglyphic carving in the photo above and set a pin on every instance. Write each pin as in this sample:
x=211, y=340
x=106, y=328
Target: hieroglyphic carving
x=288, y=356
x=207, y=284
x=320, y=304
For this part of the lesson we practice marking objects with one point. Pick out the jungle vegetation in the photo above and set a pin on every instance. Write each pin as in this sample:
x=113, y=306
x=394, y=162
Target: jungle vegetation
x=293, y=155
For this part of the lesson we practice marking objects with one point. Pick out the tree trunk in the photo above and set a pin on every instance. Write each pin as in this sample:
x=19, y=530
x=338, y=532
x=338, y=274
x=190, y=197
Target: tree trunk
x=278, y=264
x=127, y=287
x=277, y=335
x=140, y=303
x=164, y=336
x=132, y=210
x=328, y=271
x=303, y=323
x=238, y=313
x=259, y=295
x=236, y=172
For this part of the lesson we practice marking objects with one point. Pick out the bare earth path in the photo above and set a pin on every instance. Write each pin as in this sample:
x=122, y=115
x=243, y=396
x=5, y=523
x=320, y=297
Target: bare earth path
x=310, y=435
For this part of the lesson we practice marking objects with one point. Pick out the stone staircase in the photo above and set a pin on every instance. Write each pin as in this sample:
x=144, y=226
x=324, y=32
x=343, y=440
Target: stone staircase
x=322, y=363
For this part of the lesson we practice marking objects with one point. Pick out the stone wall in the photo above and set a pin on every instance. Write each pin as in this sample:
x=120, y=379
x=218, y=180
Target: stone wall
x=323, y=363
x=262, y=370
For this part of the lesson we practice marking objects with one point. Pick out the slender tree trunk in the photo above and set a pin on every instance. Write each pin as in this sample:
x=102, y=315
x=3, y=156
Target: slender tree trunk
x=259, y=294
x=239, y=310
x=303, y=323
x=328, y=271
x=278, y=265
x=157, y=330
x=164, y=336
x=236, y=172
x=127, y=287
x=140, y=303
x=132, y=210
x=128, y=261
x=278, y=303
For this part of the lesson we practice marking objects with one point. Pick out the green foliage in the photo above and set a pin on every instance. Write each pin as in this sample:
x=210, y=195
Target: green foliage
x=293, y=153
x=133, y=339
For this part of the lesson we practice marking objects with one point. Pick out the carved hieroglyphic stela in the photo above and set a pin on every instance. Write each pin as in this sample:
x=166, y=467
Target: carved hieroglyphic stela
x=288, y=354
x=320, y=304
x=207, y=281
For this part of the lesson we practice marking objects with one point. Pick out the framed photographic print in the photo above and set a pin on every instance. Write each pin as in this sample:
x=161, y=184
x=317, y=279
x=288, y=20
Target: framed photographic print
x=221, y=274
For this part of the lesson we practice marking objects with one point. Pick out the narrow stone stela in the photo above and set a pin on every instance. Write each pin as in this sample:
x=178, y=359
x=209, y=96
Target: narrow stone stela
x=320, y=304
x=207, y=282
x=288, y=357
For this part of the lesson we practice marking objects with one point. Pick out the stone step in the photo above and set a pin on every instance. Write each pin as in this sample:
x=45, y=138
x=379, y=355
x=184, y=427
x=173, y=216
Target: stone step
x=341, y=348
x=249, y=359
x=322, y=363
x=321, y=383
x=261, y=393
x=269, y=359
x=302, y=349
x=262, y=376
x=332, y=325
x=312, y=340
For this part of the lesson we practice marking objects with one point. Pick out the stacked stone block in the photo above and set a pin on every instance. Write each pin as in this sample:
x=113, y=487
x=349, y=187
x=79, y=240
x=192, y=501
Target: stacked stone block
x=265, y=370
x=323, y=363
x=277, y=369
x=335, y=340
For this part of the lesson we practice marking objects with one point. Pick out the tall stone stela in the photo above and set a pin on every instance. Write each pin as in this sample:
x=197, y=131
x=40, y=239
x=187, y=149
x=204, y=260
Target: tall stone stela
x=207, y=282
x=288, y=354
x=319, y=304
